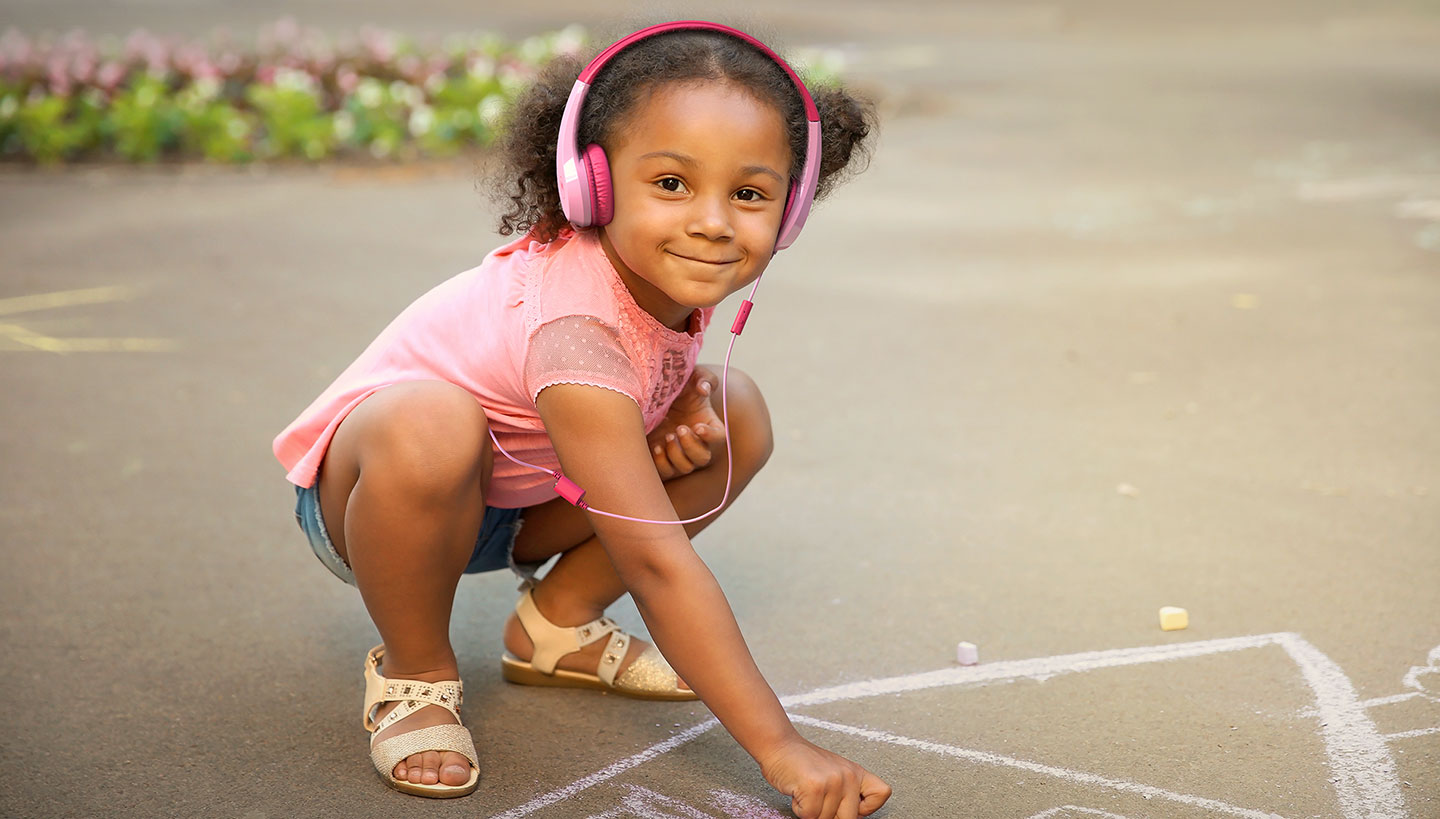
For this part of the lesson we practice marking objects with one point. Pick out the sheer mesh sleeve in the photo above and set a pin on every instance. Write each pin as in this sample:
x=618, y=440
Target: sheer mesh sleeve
x=579, y=350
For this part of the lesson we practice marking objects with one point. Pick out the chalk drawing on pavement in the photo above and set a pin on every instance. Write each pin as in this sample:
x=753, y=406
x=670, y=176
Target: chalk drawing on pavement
x=1362, y=769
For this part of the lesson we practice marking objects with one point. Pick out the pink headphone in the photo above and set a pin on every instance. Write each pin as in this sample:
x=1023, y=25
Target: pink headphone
x=584, y=176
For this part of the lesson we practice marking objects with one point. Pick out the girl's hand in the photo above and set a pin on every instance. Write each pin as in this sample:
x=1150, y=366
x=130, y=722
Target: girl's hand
x=822, y=785
x=691, y=431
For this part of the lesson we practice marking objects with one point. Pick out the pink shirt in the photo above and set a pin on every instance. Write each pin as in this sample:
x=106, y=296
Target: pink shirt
x=530, y=316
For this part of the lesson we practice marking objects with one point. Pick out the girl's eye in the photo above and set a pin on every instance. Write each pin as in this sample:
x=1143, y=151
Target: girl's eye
x=671, y=184
x=749, y=195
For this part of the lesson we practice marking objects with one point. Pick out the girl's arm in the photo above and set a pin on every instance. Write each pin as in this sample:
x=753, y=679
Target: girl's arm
x=599, y=436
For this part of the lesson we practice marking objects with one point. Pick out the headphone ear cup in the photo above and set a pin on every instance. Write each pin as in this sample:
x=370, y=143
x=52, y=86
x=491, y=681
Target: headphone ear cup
x=602, y=194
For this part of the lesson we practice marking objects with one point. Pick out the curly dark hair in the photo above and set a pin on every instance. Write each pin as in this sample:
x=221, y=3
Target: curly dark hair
x=528, y=147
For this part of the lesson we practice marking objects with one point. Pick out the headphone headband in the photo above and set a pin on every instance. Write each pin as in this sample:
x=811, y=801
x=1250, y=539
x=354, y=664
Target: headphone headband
x=586, y=203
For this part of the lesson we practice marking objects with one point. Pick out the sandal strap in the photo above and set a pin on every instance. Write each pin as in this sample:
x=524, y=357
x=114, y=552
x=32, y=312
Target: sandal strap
x=412, y=694
x=388, y=753
x=614, y=653
x=553, y=642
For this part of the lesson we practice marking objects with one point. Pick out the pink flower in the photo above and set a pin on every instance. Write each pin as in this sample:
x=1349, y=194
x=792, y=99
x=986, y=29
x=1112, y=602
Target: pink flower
x=59, y=76
x=15, y=46
x=347, y=79
x=83, y=69
x=138, y=43
x=409, y=67
x=380, y=44
x=110, y=75
x=203, y=69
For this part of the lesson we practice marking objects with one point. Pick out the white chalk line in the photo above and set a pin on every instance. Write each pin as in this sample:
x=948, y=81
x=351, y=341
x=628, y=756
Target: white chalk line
x=1311, y=711
x=1365, y=779
x=643, y=803
x=1418, y=732
x=1040, y=669
x=1359, y=759
x=988, y=758
x=1046, y=814
x=740, y=806
x=1412, y=677
x=1391, y=700
x=608, y=772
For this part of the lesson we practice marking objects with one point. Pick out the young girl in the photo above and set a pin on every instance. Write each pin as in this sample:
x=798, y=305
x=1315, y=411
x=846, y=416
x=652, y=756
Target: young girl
x=686, y=159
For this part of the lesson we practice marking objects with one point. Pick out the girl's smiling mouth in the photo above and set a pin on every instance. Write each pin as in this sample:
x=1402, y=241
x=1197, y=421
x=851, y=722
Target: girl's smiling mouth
x=703, y=261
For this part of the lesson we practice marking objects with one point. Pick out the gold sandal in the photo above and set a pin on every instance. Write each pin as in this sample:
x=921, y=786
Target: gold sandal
x=412, y=696
x=650, y=677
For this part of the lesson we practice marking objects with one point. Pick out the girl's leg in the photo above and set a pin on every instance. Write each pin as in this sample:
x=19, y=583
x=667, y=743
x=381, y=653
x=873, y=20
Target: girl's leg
x=401, y=492
x=582, y=583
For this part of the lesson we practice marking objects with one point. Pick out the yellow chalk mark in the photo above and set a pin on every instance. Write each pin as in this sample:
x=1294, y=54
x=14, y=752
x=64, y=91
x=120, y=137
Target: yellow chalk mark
x=29, y=339
x=115, y=345
x=64, y=298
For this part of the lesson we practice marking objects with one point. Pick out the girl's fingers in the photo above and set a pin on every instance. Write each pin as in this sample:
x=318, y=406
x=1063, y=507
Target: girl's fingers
x=831, y=809
x=711, y=432
x=695, y=447
x=662, y=463
x=850, y=804
x=675, y=451
x=801, y=806
x=873, y=793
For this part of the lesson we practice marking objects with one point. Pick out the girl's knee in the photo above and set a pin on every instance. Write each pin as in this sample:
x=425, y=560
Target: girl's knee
x=431, y=435
x=748, y=419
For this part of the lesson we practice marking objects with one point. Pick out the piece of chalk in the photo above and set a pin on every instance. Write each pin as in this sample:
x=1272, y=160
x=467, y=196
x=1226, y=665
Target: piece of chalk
x=967, y=654
x=1173, y=618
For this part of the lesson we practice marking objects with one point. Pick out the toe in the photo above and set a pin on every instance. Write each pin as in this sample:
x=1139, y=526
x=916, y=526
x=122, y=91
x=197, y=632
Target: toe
x=415, y=768
x=432, y=768
x=455, y=769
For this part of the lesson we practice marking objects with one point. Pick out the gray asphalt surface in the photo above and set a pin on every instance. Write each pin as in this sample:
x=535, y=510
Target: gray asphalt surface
x=1135, y=307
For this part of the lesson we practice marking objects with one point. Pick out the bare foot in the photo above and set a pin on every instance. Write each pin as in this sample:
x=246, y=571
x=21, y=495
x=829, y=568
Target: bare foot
x=586, y=660
x=427, y=767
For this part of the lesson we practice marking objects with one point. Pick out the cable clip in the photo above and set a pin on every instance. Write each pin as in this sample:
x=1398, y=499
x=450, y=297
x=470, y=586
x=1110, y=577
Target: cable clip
x=740, y=316
x=569, y=490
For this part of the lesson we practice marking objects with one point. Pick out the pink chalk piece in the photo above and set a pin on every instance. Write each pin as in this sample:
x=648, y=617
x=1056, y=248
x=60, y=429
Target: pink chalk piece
x=967, y=654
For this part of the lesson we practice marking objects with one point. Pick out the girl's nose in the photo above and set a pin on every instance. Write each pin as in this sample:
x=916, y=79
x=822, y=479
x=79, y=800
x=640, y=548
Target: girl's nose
x=710, y=219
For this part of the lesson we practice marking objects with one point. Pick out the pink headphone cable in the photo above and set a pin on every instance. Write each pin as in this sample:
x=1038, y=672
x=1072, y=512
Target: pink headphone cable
x=570, y=491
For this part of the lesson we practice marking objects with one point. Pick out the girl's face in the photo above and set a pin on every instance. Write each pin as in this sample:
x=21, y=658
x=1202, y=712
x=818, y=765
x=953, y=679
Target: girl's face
x=700, y=174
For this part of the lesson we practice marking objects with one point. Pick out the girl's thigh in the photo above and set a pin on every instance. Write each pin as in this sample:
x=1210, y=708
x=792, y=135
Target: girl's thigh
x=424, y=437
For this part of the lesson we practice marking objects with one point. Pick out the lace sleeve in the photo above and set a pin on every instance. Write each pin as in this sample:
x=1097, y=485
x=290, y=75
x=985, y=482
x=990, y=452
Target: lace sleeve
x=579, y=350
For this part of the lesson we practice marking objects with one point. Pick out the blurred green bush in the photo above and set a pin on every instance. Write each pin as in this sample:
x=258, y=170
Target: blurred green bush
x=293, y=94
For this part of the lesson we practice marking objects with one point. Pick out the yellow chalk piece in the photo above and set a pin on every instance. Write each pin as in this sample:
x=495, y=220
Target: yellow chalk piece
x=1173, y=618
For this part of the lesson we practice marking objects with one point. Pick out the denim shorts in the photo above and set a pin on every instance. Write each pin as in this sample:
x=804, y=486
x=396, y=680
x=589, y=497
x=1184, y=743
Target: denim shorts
x=494, y=548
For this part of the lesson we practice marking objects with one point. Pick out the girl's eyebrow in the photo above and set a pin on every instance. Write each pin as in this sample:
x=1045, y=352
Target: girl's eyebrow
x=690, y=162
x=761, y=169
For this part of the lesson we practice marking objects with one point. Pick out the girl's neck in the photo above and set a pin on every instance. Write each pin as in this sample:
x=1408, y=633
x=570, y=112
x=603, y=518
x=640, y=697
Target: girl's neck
x=648, y=297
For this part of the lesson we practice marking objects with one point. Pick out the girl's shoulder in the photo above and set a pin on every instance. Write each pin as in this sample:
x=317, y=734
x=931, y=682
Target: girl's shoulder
x=570, y=276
